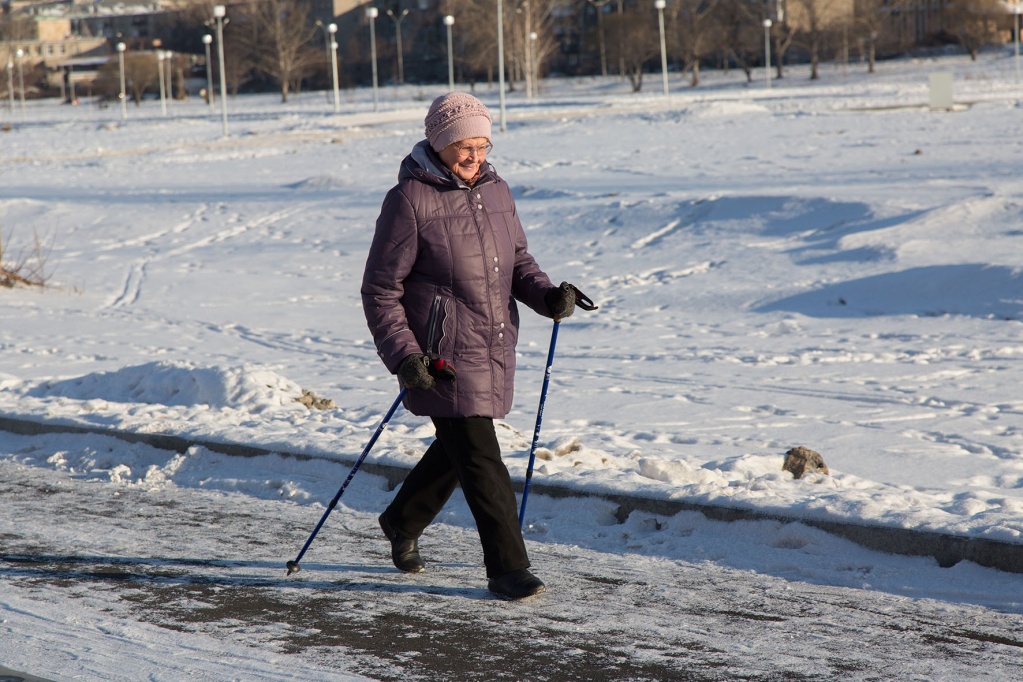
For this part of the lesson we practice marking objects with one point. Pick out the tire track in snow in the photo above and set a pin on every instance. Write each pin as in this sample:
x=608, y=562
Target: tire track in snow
x=132, y=288
x=226, y=234
x=146, y=239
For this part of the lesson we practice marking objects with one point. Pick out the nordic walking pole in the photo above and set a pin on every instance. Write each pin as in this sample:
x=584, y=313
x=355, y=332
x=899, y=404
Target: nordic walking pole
x=293, y=566
x=584, y=302
x=539, y=418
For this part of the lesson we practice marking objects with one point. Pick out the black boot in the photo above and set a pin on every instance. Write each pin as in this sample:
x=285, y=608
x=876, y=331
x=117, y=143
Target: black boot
x=404, y=551
x=516, y=585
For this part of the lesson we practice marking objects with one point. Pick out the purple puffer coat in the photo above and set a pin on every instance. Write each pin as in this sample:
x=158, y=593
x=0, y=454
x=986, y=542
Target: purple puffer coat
x=445, y=268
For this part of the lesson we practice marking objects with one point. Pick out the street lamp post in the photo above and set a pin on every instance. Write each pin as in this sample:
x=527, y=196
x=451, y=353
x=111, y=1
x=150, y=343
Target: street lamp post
x=121, y=47
x=372, y=13
x=21, y=77
x=170, y=75
x=449, y=21
x=500, y=62
x=10, y=86
x=397, y=30
x=534, y=69
x=767, y=51
x=660, y=4
x=160, y=56
x=329, y=44
x=207, y=40
x=326, y=38
x=527, y=48
x=219, y=13
x=332, y=30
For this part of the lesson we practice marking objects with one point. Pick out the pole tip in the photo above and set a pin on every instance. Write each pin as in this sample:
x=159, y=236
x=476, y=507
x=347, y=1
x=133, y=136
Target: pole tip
x=293, y=567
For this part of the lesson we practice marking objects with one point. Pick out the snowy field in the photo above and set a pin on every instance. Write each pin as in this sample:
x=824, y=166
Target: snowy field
x=824, y=264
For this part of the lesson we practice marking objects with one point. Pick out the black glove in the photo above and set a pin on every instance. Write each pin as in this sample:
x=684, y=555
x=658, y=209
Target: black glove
x=414, y=372
x=420, y=371
x=560, y=301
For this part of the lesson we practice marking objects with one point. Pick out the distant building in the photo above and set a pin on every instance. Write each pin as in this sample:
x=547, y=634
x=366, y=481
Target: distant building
x=70, y=40
x=45, y=37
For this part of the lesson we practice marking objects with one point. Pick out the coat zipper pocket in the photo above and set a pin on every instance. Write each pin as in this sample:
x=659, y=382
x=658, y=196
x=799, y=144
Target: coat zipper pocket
x=432, y=339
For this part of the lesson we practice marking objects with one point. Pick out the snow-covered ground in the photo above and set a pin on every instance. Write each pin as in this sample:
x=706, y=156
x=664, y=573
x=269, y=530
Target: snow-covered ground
x=824, y=264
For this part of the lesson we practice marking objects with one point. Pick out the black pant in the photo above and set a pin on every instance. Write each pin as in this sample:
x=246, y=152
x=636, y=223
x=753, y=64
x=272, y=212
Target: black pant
x=466, y=453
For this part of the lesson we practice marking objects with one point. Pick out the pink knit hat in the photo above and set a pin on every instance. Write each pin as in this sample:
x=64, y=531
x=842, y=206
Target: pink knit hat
x=454, y=117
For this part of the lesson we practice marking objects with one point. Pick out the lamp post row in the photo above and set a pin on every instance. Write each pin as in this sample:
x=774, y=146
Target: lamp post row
x=165, y=76
x=220, y=19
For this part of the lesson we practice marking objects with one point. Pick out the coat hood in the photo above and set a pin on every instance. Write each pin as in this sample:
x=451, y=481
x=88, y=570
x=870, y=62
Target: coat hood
x=424, y=165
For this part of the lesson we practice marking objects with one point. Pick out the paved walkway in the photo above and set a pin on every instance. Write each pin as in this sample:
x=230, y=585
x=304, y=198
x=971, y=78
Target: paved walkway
x=205, y=565
x=8, y=675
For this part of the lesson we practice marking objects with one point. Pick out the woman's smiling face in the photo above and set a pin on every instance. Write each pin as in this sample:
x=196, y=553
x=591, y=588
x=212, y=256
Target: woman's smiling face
x=464, y=158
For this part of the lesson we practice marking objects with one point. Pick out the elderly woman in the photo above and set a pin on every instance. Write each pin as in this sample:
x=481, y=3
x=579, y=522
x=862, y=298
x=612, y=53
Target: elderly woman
x=447, y=264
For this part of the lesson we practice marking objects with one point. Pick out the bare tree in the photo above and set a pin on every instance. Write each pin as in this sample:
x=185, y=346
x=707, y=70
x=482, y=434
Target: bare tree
x=867, y=27
x=530, y=31
x=14, y=28
x=738, y=28
x=812, y=21
x=783, y=32
x=239, y=61
x=140, y=73
x=108, y=79
x=694, y=33
x=278, y=41
x=641, y=44
x=474, y=37
x=975, y=22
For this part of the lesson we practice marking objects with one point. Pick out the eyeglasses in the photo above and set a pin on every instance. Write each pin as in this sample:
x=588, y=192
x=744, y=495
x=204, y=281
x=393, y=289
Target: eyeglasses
x=467, y=151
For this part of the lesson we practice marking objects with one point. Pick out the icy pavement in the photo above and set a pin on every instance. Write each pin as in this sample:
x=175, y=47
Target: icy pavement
x=193, y=579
